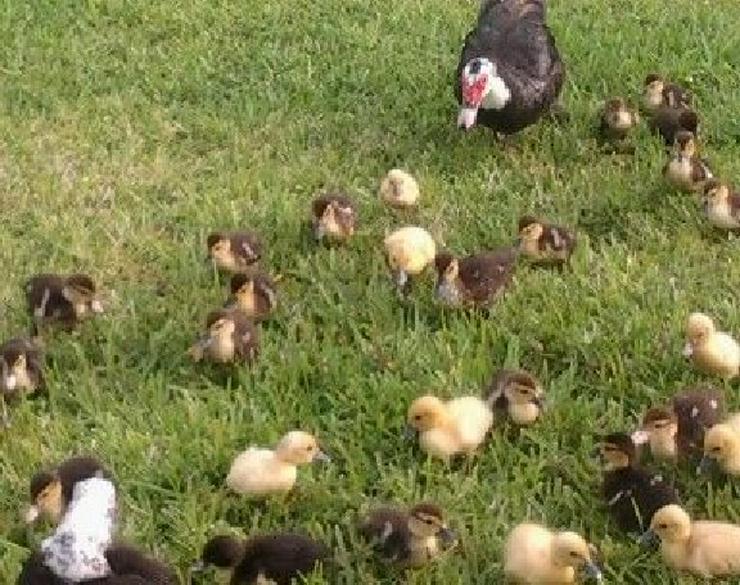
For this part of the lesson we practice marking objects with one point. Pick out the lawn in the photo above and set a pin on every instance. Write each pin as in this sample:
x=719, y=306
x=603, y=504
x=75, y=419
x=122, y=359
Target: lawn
x=132, y=129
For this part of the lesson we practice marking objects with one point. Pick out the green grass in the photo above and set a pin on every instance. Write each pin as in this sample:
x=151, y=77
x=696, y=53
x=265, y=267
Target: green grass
x=131, y=129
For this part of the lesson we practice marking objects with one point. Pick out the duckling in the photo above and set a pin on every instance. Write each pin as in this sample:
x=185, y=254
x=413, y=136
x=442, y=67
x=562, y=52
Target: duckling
x=685, y=170
x=231, y=336
x=409, y=538
x=409, y=250
x=544, y=243
x=21, y=366
x=399, y=189
x=62, y=299
x=721, y=205
x=334, y=217
x=536, y=555
x=659, y=92
x=617, y=119
x=518, y=393
x=632, y=493
x=254, y=295
x=722, y=446
x=51, y=490
x=668, y=121
x=712, y=351
x=234, y=251
x=450, y=428
x=707, y=549
x=260, y=472
x=281, y=558
x=474, y=281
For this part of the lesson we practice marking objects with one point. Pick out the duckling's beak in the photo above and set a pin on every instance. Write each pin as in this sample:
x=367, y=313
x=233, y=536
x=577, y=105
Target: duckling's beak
x=649, y=539
x=592, y=571
x=401, y=278
x=321, y=457
x=96, y=306
x=10, y=382
x=447, y=536
x=31, y=515
x=409, y=433
x=539, y=402
x=688, y=350
x=640, y=437
x=705, y=465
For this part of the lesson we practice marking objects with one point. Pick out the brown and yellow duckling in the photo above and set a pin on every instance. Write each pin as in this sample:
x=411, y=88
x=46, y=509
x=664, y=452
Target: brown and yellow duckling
x=713, y=352
x=410, y=538
x=62, y=299
x=255, y=295
x=399, y=189
x=617, y=119
x=333, y=217
x=474, y=281
x=721, y=205
x=686, y=170
x=659, y=92
x=231, y=337
x=544, y=243
x=280, y=558
x=21, y=365
x=518, y=394
x=722, y=446
x=234, y=251
x=409, y=250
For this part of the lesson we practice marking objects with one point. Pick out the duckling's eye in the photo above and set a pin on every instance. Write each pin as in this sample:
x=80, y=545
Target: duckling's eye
x=417, y=417
x=716, y=449
x=309, y=448
x=574, y=554
x=429, y=521
x=663, y=526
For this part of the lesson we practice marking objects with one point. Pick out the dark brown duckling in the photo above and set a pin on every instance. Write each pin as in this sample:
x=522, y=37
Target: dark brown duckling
x=685, y=170
x=408, y=538
x=617, y=119
x=21, y=366
x=277, y=558
x=544, y=243
x=721, y=205
x=234, y=251
x=517, y=393
x=51, y=490
x=62, y=299
x=255, y=295
x=667, y=121
x=659, y=92
x=231, y=337
x=333, y=217
x=477, y=280
x=632, y=494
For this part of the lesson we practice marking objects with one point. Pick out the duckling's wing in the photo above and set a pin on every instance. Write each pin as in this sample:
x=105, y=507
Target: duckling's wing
x=387, y=532
x=485, y=275
x=696, y=411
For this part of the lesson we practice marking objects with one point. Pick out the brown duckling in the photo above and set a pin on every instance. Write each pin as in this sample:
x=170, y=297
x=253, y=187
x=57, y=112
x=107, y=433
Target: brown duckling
x=255, y=295
x=399, y=189
x=477, y=280
x=408, y=538
x=617, y=119
x=231, y=337
x=544, y=243
x=659, y=92
x=62, y=299
x=51, y=490
x=632, y=494
x=333, y=217
x=668, y=121
x=517, y=393
x=409, y=250
x=234, y=251
x=21, y=365
x=713, y=352
x=721, y=205
x=685, y=170
x=280, y=558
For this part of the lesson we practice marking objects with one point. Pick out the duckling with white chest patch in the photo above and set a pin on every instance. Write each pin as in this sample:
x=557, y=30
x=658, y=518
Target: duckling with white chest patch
x=544, y=243
x=255, y=295
x=446, y=429
x=517, y=393
x=721, y=205
x=399, y=189
x=260, y=472
x=234, y=251
x=21, y=364
x=685, y=170
x=535, y=555
x=408, y=538
x=713, y=352
x=231, y=337
x=409, y=250
x=62, y=299
x=333, y=217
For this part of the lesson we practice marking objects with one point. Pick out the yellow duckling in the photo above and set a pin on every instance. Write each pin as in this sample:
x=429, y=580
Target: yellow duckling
x=409, y=251
x=722, y=446
x=450, y=428
x=707, y=549
x=399, y=189
x=712, y=351
x=535, y=555
x=260, y=472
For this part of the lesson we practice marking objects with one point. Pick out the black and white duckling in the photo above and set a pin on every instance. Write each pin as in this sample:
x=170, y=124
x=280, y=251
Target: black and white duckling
x=544, y=243
x=686, y=170
x=632, y=494
x=722, y=446
x=711, y=351
x=281, y=558
x=234, y=251
x=260, y=472
x=617, y=119
x=409, y=250
x=399, y=189
x=62, y=299
x=518, y=394
x=704, y=548
x=474, y=281
x=255, y=295
x=510, y=72
x=231, y=337
x=408, y=538
x=450, y=428
x=721, y=205
x=21, y=364
x=333, y=217
x=668, y=121
x=535, y=555
x=659, y=92
x=51, y=490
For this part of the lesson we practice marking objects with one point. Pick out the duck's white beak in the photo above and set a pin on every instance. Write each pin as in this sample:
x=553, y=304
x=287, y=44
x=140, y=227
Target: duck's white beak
x=31, y=514
x=688, y=350
x=466, y=118
x=96, y=306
